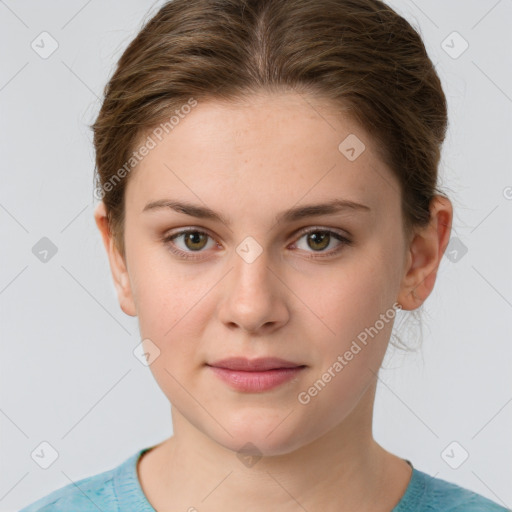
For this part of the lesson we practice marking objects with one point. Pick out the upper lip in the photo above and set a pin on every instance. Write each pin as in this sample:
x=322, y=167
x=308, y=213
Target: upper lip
x=260, y=364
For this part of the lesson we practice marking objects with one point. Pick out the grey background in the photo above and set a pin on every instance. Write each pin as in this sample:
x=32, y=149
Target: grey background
x=68, y=374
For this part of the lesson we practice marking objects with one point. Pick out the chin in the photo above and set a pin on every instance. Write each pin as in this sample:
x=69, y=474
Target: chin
x=263, y=438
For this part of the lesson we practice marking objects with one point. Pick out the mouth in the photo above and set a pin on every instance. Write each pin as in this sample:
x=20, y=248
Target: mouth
x=257, y=375
x=254, y=365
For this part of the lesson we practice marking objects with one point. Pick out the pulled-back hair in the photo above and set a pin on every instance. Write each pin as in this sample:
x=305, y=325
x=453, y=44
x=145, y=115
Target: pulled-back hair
x=358, y=54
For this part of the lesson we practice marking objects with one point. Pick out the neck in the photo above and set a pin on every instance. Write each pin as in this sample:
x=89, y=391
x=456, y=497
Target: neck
x=342, y=470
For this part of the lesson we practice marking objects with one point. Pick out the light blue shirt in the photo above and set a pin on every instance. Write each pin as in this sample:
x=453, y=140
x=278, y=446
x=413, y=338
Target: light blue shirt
x=119, y=490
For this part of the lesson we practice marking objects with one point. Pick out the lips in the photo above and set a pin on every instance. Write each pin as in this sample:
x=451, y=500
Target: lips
x=254, y=365
x=256, y=375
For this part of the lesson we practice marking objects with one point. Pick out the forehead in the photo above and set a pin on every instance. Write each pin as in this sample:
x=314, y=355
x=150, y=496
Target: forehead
x=267, y=149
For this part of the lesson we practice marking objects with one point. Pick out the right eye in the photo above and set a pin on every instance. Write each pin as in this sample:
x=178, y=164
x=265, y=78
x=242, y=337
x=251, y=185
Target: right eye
x=194, y=240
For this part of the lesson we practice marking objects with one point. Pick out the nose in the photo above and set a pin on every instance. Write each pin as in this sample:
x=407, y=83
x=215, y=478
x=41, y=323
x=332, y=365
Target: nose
x=254, y=296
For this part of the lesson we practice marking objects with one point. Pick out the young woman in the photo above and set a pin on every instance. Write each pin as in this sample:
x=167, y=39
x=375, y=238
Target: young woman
x=267, y=171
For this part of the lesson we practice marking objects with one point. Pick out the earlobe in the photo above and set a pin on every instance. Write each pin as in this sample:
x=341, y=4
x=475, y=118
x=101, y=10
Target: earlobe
x=425, y=255
x=117, y=263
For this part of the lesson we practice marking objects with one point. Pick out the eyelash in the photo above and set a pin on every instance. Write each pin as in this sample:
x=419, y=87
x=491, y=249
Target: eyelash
x=169, y=241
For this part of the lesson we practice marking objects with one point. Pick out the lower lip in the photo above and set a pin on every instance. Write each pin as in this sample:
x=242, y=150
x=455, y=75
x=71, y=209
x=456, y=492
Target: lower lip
x=256, y=381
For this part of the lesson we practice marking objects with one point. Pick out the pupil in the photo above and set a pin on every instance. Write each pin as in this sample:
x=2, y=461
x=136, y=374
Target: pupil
x=323, y=236
x=194, y=238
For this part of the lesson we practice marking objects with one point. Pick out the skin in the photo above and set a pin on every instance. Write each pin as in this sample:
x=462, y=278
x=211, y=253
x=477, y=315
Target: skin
x=249, y=161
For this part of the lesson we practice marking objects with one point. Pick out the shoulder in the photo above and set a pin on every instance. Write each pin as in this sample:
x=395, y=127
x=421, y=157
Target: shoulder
x=442, y=496
x=92, y=493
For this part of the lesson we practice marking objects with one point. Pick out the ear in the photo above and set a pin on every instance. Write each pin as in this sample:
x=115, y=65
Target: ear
x=117, y=263
x=424, y=255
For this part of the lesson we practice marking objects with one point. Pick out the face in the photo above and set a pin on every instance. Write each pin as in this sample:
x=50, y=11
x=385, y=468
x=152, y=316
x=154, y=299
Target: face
x=257, y=283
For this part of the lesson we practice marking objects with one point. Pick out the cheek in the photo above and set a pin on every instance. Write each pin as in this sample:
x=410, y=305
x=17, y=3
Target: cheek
x=166, y=293
x=172, y=314
x=350, y=296
x=355, y=311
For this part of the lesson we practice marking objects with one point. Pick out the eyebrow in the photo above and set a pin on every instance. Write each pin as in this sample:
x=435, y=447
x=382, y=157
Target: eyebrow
x=291, y=215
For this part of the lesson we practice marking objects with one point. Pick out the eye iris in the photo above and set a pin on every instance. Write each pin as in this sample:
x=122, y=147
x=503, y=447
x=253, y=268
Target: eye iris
x=193, y=236
x=321, y=239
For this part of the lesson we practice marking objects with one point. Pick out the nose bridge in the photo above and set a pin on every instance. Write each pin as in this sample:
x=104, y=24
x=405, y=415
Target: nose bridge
x=251, y=273
x=251, y=298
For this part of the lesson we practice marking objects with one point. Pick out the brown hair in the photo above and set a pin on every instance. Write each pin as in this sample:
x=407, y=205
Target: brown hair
x=359, y=54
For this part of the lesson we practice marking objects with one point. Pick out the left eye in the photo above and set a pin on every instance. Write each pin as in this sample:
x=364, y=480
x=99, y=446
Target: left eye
x=319, y=239
x=195, y=240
